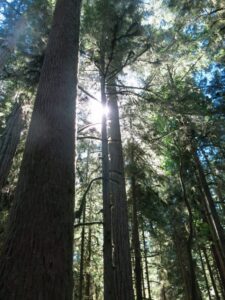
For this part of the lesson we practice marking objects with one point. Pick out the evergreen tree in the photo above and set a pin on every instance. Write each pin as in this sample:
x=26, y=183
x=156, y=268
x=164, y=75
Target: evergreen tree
x=37, y=257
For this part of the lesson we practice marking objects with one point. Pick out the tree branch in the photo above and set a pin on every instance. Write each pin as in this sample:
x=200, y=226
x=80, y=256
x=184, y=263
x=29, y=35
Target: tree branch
x=89, y=137
x=87, y=93
x=88, y=224
x=78, y=213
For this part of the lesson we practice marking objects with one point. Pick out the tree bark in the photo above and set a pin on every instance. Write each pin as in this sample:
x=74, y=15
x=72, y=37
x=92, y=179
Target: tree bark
x=82, y=250
x=122, y=256
x=205, y=276
x=9, y=142
x=220, y=271
x=146, y=264
x=211, y=273
x=191, y=280
x=218, y=183
x=136, y=239
x=38, y=253
x=184, y=256
x=107, y=228
x=212, y=218
x=88, y=288
x=81, y=276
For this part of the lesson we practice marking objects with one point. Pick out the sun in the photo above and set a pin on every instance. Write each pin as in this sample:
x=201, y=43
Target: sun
x=97, y=111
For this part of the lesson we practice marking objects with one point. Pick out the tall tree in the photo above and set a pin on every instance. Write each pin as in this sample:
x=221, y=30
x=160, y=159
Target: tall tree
x=37, y=259
x=9, y=142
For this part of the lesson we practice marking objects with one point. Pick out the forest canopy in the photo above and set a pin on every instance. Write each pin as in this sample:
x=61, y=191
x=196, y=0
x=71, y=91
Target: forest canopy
x=112, y=150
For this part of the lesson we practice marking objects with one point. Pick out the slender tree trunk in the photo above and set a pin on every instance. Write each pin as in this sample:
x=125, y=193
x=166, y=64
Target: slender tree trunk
x=107, y=251
x=212, y=218
x=211, y=274
x=146, y=264
x=81, y=276
x=82, y=251
x=218, y=183
x=38, y=253
x=122, y=256
x=136, y=242
x=143, y=284
x=163, y=293
x=220, y=271
x=205, y=276
x=9, y=142
x=88, y=289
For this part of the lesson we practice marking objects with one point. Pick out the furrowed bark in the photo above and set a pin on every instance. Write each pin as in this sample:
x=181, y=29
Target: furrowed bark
x=9, y=142
x=211, y=273
x=38, y=253
x=212, y=218
x=107, y=249
x=205, y=276
x=192, y=284
x=136, y=239
x=122, y=256
x=146, y=263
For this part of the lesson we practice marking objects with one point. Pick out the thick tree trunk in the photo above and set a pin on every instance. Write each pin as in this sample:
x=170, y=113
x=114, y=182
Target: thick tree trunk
x=191, y=280
x=185, y=259
x=122, y=256
x=107, y=249
x=9, y=142
x=37, y=261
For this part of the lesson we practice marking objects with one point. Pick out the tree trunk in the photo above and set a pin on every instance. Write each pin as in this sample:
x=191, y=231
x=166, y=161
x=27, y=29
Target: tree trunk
x=88, y=289
x=163, y=293
x=211, y=274
x=218, y=183
x=185, y=259
x=107, y=248
x=205, y=276
x=191, y=280
x=136, y=241
x=220, y=271
x=9, y=142
x=81, y=275
x=122, y=256
x=82, y=250
x=212, y=217
x=146, y=264
x=38, y=253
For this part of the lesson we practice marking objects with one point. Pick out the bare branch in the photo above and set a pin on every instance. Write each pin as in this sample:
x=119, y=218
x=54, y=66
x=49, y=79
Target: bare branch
x=89, y=137
x=78, y=213
x=87, y=93
x=88, y=224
